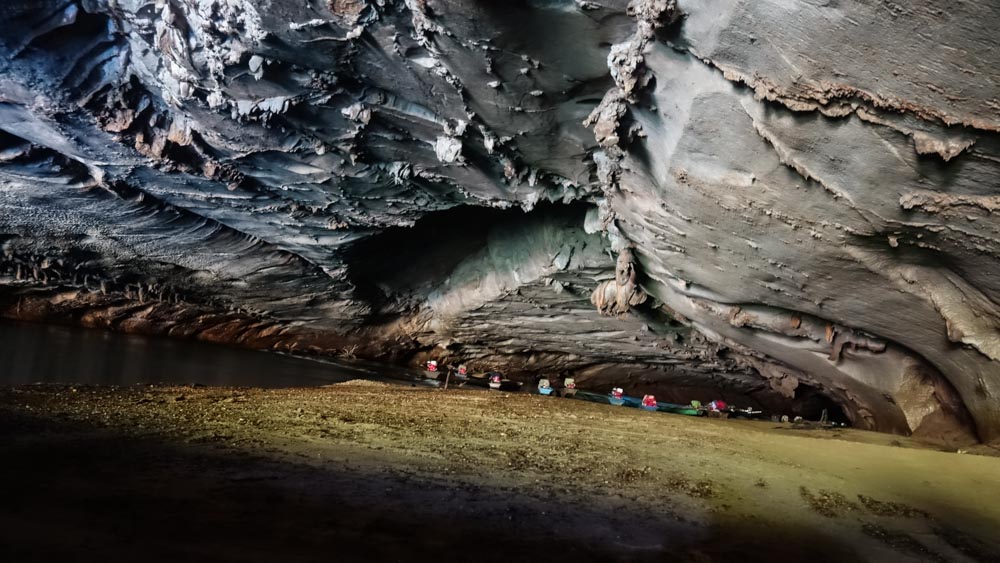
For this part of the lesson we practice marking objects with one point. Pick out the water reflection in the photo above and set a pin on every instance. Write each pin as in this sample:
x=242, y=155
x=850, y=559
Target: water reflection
x=34, y=353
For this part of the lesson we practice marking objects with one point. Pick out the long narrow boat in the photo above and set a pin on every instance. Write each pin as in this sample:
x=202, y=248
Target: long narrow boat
x=686, y=410
x=635, y=402
x=483, y=381
x=593, y=397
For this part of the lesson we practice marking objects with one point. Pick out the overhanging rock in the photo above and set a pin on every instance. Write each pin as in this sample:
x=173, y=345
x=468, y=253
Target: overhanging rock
x=795, y=196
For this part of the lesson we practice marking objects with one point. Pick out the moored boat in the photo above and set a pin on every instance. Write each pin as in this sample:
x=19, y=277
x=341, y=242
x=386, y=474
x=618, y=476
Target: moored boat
x=617, y=396
x=649, y=403
x=496, y=381
x=610, y=399
x=593, y=397
x=569, y=388
x=687, y=410
x=544, y=386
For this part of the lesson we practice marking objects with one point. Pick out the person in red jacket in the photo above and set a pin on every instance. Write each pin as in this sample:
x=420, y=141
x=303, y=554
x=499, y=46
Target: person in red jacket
x=648, y=402
x=717, y=405
x=717, y=409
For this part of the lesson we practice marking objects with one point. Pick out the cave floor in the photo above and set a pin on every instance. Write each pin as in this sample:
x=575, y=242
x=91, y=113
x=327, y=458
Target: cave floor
x=362, y=471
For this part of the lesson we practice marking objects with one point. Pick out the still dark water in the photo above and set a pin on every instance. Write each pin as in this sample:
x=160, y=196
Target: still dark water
x=35, y=353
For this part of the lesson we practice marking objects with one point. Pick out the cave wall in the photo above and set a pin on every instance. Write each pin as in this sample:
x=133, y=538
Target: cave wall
x=771, y=196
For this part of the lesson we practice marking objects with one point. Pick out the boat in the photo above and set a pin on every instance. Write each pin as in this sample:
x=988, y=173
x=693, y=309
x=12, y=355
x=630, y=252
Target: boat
x=544, y=387
x=635, y=402
x=617, y=396
x=632, y=402
x=494, y=380
x=482, y=380
x=607, y=399
x=686, y=410
x=649, y=403
x=593, y=397
x=747, y=412
x=569, y=388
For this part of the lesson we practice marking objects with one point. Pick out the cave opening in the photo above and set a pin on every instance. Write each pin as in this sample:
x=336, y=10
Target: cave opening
x=810, y=402
x=389, y=269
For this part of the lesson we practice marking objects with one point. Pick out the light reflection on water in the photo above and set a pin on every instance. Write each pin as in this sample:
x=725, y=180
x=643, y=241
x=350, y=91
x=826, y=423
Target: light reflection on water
x=35, y=353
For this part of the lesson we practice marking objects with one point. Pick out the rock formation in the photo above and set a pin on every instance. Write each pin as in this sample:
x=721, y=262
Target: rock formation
x=780, y=199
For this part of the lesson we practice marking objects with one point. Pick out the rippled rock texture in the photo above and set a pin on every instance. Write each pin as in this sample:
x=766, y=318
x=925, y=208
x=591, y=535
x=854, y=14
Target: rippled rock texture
x=782, y=200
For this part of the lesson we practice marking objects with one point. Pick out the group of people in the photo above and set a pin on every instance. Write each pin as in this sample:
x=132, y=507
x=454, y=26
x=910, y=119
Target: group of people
x=649, y=402
x=568, y=387
x=717, y=405
x=461, y=370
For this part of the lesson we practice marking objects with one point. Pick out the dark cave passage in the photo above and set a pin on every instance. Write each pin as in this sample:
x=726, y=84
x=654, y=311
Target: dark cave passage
x=399, y=263
x=810, y=403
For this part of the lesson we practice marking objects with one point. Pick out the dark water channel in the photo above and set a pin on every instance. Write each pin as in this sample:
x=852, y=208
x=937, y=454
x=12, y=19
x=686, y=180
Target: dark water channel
x=36, y=353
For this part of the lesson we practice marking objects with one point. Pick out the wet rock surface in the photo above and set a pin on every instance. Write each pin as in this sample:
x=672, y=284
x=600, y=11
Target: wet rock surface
x=780, y=200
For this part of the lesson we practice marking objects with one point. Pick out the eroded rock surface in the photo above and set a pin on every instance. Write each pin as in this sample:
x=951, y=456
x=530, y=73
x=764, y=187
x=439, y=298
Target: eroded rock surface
x=778, y=199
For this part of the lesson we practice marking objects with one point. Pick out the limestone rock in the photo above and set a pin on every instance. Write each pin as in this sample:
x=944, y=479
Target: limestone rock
x=802, y=196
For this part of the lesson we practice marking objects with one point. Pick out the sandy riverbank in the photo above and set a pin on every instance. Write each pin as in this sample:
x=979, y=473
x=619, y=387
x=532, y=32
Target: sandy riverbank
x=364, y=471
